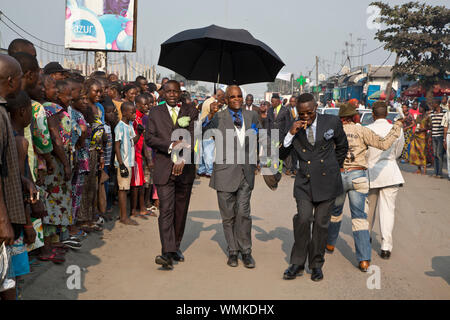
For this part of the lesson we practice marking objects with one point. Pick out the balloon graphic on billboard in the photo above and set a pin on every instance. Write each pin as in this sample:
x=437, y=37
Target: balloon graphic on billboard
x=106, y=25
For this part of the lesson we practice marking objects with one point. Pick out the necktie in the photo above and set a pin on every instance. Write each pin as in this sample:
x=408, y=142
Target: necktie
x=310, y=135
x=293, y=113
x=174, y=115
x=237, y=121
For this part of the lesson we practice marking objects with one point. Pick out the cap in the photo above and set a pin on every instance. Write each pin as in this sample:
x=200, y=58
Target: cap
x=347, y=110
x=53, y=67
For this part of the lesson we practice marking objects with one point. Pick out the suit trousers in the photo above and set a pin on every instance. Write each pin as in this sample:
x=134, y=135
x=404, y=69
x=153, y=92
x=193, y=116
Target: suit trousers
x=236, y=220
x=174, y=200
x=382, y=203
x=307, y=244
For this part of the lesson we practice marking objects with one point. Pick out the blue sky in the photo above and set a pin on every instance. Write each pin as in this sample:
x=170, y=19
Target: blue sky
x=297, y=30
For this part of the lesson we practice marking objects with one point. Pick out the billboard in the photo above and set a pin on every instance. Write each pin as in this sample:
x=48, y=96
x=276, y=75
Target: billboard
x=103, y=25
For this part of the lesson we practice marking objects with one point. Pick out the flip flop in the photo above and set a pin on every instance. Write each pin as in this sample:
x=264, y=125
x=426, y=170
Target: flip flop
x=54, y=257
x=129, y=222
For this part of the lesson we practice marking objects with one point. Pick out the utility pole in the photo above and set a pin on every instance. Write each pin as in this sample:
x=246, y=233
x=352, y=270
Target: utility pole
x=317, y=78
x=389, y=85
x=126, y=66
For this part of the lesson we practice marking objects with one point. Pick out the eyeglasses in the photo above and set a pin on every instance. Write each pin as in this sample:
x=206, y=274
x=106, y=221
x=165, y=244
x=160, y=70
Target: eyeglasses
x=238, y=96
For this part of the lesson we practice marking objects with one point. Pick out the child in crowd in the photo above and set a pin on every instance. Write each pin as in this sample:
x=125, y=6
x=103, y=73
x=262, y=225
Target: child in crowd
x=125, y=139
x=138, y=208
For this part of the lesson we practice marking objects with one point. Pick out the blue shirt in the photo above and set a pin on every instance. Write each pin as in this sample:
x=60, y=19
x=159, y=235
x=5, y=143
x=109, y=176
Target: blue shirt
x=125, y=134
x=235, y=114
x=102, y=111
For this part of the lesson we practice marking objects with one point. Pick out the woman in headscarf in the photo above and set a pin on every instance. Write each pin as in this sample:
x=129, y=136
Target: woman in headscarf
x=417, y=155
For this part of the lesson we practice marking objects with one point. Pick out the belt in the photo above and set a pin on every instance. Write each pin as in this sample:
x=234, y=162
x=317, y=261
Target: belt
x=352, y=169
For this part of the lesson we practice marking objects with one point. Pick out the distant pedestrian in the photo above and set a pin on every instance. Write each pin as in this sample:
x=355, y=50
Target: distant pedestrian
x=437, y=132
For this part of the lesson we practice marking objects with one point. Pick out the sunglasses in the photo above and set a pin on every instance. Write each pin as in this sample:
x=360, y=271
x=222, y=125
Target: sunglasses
x=238, y=96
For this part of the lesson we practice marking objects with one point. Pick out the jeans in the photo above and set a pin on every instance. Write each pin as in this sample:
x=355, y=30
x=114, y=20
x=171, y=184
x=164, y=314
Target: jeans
x=356, y=185
x=206, y=162
x=438, y=153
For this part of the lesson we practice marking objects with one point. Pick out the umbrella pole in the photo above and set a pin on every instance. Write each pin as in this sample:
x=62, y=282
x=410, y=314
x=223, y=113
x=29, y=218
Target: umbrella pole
x=220, y=66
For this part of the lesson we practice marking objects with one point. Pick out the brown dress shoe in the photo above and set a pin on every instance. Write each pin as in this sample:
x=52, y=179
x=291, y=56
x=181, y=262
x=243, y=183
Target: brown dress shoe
x=330, y=248
x=364, y=265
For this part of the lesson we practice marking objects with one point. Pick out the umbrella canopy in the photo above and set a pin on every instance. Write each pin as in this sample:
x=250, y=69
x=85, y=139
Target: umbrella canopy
x=380, y=94
x=216, y=54
x=439, y=89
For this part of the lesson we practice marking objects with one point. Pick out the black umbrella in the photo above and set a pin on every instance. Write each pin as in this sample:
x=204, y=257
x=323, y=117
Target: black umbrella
x=216, y=54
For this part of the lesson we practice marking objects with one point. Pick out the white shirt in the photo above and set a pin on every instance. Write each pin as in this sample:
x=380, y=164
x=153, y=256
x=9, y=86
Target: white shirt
x=169, y=108
x=241, y=133
x=383, y=170
x=289, y=137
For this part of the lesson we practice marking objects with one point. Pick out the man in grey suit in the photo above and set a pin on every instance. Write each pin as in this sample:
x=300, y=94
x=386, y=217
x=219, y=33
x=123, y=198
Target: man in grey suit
x=233, y=174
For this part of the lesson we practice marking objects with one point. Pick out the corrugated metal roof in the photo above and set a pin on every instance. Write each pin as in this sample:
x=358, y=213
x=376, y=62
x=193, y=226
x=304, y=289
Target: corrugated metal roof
x=380, y=72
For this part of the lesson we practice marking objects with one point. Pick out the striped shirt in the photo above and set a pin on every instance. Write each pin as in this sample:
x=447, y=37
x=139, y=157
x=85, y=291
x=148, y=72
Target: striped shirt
x=125, y=134
x=437, y=130
x=109, y=143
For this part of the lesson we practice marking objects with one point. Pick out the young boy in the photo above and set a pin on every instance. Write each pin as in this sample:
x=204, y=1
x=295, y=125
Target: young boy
x=20, y=111
x=138, y=208
x=125, y=139
x=111, y=119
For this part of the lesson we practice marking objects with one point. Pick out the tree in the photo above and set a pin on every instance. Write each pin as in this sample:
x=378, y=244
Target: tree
x=420, y=36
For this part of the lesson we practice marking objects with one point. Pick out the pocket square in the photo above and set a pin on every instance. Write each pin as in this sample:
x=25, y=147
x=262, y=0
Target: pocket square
x=328, y=134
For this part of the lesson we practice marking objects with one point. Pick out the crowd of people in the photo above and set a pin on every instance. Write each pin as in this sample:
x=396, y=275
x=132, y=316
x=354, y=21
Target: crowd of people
x=71, y=147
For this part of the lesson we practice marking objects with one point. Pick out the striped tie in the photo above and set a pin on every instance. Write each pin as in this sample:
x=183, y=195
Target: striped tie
x=311, y=135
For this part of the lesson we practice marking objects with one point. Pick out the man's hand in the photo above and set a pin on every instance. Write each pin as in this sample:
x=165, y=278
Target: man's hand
x=31, y=189
x=297, y=125
x=6, y=233
x=445, y=141
x=213, y=108
x=123, y=171
x=178, y=168
x=67, y=173
x=180, y=144
x=29, y=235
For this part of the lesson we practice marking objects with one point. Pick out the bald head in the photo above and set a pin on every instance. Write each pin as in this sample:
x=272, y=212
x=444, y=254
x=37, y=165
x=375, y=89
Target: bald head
x=233, y=97
x=10, y=76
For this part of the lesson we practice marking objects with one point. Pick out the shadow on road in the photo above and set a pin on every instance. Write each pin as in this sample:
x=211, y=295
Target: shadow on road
x=441, y=268
x=285, y=235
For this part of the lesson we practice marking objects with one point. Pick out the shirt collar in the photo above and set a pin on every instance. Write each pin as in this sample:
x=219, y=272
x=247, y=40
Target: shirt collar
x=239, y=112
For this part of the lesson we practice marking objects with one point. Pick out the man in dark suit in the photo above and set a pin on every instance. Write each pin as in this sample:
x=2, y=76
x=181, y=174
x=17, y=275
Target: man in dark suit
x=291, y=161
x=173, y=180
x=233, y=176
x=321, y=146
x=249, y=104
x=278, y=116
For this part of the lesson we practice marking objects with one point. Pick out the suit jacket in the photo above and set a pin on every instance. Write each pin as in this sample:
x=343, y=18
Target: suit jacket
x=319, y=177
x=281, y=121
x=383, y=168
x=227, y=177
x=158, y=136
x=252, y=108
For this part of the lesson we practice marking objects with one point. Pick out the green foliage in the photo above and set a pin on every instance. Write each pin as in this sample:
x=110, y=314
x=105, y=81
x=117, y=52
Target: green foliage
x=420, y=35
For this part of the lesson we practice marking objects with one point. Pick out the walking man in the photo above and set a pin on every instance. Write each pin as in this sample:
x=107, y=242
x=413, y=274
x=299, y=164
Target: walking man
x=233, y=179
x=173, y=181
x=321, y=145
x=385, y=178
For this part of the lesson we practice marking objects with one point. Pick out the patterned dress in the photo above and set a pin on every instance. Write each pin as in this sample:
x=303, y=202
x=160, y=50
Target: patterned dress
x=409, y=120
x=81, y=160
x=417, y=154
x=137, y=176
x=90, y=190
x=59, y=201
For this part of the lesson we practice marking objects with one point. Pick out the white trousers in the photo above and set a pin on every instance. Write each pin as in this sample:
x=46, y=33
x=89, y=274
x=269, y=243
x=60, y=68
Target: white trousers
x=382, y=204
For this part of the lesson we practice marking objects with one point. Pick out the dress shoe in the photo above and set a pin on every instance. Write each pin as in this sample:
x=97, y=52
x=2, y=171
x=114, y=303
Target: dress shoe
x=178, y=256
x=248, y=260
x=385, y=254
x=330, y=248
x=233, y=260
x=164, y=260
x=288, y=172
x=364, y=265
x=293, y=271
x=316, y=274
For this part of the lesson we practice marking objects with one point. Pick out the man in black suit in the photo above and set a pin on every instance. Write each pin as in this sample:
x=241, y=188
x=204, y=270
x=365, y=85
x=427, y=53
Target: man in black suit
x=249, y=104
x=173, y=180
x=278, y=116
x=321, y=146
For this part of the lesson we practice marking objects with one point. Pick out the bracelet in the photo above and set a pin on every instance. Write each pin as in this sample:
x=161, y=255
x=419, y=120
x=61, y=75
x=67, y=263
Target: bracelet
x=27, y=226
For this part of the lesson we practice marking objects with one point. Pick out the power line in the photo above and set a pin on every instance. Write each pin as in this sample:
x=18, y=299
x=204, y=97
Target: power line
x=54, y=44
x=42, y=48
x=365, y=53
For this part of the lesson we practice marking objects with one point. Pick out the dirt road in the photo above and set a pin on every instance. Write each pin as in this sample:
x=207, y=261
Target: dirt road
x=119, y=264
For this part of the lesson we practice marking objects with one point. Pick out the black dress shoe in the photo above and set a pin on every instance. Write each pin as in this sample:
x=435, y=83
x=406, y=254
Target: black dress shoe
x=293, y=271
x=316, y=274
x=178, y=256
x=248, y=261
x=233, y=260
x=385, y=254
x=164, y=260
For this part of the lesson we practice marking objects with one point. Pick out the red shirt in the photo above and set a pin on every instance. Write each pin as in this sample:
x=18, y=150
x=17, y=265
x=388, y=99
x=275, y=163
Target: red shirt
x=140, y=144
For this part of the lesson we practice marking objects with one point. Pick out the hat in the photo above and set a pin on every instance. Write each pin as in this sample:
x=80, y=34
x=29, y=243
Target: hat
x=347, y=110
x=53, y=67
x=272, y=180
x=276, y=96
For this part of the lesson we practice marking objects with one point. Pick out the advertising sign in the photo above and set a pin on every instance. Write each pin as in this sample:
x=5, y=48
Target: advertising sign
x=104, y=25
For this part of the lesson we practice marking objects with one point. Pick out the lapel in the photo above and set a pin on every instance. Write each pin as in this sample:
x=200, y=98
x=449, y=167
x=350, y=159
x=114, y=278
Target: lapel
x=304, y=140
x=228, y=119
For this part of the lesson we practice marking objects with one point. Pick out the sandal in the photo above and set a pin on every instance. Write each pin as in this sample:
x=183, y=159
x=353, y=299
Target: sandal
x=129, y=222
x=54, y=257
